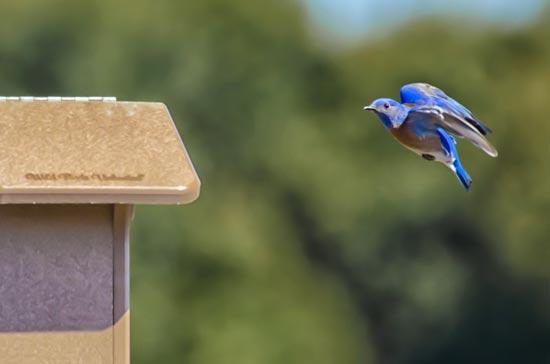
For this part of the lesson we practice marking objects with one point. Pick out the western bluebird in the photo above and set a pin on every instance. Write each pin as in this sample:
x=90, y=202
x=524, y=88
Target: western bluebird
x=427, y=122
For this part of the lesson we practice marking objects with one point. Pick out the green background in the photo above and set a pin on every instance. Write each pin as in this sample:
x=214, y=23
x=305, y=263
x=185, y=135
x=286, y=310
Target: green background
x=317, y=238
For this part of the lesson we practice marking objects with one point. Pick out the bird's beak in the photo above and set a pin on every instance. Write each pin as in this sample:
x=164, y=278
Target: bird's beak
x=369, y=108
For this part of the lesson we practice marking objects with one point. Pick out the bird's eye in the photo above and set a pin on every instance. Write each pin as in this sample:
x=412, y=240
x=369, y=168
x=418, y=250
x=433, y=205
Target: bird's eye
x=386, y=106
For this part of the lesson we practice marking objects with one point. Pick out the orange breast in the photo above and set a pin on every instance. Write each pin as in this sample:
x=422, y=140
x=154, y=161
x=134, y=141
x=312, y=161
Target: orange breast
x=408, y=138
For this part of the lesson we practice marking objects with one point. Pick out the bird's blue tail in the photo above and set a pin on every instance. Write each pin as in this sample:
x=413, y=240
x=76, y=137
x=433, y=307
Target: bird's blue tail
x=462, y=175
x=448, y=143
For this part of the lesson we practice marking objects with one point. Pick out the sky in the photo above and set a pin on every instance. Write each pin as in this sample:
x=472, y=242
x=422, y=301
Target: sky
x=353, y=19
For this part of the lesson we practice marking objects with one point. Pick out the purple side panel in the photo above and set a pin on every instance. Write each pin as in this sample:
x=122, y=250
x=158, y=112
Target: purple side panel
x=56, y=267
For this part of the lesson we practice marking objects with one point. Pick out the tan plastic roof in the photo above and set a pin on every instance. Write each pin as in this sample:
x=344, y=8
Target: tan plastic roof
x=92, y=152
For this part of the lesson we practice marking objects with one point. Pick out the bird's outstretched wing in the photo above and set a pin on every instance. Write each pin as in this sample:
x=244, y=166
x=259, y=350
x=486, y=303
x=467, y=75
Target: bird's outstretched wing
x=426, y=94
x=431, y=117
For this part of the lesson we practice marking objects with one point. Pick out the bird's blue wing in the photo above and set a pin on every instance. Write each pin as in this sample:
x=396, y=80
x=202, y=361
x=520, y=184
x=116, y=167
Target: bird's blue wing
x=426, y=94
x=431, y=117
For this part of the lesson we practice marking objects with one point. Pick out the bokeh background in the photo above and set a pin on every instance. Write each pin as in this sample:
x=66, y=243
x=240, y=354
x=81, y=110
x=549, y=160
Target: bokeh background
x=317, y=238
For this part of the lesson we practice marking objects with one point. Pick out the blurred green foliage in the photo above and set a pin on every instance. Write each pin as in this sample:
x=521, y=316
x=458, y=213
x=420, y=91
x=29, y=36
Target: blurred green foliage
x=317, y=239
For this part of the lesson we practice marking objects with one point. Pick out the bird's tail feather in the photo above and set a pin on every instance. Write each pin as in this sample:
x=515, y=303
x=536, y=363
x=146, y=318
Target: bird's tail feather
x=448, y=144
x=462, y=175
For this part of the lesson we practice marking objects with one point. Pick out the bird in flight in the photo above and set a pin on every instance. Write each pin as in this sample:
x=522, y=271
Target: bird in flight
x=427, y=121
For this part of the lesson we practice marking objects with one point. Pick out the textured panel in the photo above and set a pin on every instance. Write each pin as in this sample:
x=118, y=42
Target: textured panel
x=64, y=347
x=56, y=267
x=87, y=149
x=121, y=258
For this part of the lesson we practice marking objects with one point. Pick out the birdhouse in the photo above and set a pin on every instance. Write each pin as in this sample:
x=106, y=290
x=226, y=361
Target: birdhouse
x=71, y=171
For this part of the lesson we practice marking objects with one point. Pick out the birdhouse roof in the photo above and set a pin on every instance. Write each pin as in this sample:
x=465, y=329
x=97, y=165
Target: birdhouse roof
x=92, y=150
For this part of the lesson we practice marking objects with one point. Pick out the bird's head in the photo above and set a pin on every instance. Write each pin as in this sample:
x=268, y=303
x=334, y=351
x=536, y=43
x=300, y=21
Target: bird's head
x=390, y=112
